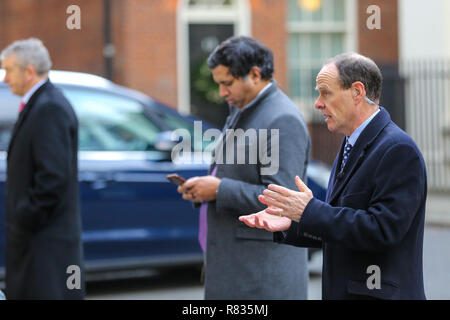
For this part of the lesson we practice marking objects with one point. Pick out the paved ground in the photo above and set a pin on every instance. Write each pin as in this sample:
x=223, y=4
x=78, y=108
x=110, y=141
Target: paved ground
x=175, y=285
x=438, y=204
x=184, y=284
x=436, y=263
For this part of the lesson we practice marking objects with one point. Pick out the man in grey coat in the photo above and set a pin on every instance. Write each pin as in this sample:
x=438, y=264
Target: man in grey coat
x=265, y=141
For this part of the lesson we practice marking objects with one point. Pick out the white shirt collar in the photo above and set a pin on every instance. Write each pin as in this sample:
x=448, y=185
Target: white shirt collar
x=264, y=89
x=30, y=92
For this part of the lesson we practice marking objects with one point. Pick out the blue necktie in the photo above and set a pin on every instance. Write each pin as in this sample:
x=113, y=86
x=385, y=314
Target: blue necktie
x=347, y=149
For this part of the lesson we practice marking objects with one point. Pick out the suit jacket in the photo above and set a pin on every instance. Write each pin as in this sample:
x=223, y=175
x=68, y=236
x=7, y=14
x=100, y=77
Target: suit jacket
x=244, y=263
x=42, y=207
x=373, y=216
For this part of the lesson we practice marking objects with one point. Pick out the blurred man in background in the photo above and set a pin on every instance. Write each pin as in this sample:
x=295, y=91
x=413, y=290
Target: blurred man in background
x=42, y=209
x=239, y=260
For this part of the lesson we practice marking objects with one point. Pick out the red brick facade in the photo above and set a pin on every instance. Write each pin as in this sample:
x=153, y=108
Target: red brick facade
x=144, y=35
x=76, y=50
x=269, y=27
x=381, y=45
x=145, y=41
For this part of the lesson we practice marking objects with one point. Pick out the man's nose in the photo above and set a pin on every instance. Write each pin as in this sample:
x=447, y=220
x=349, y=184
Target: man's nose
x=223, y=92
x=319, y=104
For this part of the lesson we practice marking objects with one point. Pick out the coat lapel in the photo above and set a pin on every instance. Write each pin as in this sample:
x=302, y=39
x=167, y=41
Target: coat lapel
x=23, y=115
x=357, y=154
x=334, y=169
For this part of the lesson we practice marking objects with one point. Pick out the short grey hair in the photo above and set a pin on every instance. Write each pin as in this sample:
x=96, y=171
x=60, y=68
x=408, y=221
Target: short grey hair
x=29, y=52
x=354, y=67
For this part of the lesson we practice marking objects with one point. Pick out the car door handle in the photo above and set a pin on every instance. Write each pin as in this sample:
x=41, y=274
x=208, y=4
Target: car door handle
x=100, y=184
x=96, y=181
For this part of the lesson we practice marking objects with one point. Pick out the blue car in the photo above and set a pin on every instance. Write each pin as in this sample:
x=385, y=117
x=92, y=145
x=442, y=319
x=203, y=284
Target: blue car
x=132, y=216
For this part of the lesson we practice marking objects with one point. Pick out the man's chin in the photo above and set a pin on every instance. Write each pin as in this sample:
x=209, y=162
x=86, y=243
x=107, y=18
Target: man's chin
x=330, y=127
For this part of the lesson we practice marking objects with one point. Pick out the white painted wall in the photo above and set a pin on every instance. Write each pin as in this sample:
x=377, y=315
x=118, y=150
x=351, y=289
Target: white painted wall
x=424, y=29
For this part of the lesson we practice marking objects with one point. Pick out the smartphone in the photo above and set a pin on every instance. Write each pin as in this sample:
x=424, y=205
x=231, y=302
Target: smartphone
x=175, y=178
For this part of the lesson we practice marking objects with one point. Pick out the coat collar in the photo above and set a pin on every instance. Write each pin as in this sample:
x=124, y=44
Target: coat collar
x=255, y=102
x=364, y=142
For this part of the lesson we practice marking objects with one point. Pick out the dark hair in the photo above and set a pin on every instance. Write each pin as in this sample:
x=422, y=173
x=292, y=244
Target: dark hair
x=240, y=54
x=354, y=67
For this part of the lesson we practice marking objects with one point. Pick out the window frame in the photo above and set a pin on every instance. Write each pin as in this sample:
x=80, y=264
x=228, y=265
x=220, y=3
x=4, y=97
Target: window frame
x=298, y=28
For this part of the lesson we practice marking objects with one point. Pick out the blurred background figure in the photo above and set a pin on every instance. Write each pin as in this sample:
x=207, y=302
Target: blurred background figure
x=43, y=227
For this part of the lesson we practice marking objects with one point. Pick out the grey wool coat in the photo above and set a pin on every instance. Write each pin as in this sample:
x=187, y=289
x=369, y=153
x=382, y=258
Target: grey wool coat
x=242, y=262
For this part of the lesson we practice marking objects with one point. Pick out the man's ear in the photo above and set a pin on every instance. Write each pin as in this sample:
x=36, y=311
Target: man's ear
x=30, y=72
x=255, y=74
x=358, y=91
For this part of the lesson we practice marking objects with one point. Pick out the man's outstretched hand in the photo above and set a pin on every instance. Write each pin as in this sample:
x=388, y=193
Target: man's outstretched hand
x=264, y=220
x=285, y=202
x=283, y=207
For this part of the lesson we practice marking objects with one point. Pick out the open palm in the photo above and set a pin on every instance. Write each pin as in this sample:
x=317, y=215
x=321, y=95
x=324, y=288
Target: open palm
x=264, y=220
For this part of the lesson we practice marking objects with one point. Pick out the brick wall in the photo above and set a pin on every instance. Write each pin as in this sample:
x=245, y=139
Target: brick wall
x=144, y=34
x=269, y=27
x=75, y=50
x=381, y=45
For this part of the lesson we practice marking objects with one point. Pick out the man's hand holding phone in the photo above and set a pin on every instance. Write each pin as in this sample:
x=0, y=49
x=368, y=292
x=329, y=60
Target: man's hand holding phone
x=199, y=189
x=175, y=178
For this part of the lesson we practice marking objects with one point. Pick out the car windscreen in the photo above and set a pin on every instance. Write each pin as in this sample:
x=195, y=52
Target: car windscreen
x=110, y=122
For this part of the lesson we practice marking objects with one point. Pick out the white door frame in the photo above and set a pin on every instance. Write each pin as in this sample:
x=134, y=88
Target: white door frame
x=239, y=15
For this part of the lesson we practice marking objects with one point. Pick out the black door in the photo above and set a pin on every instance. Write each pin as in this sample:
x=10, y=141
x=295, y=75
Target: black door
x=205, y=100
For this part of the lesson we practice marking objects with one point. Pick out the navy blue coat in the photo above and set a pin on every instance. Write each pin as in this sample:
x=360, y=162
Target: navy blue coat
x=373, y=216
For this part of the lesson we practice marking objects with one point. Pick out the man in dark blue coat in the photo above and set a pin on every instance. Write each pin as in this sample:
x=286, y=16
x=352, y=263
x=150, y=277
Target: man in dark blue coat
x=372, y=223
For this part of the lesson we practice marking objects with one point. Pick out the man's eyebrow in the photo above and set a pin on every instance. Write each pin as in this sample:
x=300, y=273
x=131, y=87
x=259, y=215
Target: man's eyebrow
x=321, y=87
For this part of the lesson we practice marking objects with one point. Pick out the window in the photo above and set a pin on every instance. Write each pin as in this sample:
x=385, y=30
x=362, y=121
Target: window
x=318, y=30
x=109, y=122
